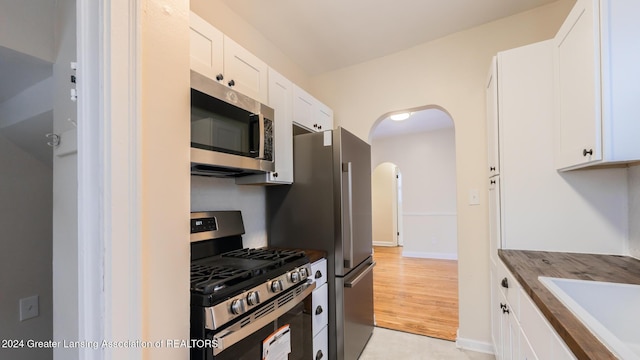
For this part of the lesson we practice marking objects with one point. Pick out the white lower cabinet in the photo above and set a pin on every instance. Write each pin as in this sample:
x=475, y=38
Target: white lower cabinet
x=320, y=310
x=321, y=344
x=519, y=330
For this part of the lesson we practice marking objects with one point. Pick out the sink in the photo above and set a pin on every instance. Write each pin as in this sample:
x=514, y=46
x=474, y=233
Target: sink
x=611, y=311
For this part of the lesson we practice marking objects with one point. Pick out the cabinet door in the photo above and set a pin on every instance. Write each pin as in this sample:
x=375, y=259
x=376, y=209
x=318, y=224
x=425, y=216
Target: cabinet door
x=578, y=85
x=493, y=157
x=303, y=108
x=496, y=314
x=495, y=240
x=244, y=71
x=206, y=47
x=323, y=117
x=280, y=99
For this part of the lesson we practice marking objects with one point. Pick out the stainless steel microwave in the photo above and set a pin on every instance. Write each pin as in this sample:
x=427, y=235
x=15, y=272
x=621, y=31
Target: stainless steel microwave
x=231, y=133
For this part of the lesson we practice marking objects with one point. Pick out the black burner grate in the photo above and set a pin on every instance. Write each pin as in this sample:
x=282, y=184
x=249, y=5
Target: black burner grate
x=239, y=269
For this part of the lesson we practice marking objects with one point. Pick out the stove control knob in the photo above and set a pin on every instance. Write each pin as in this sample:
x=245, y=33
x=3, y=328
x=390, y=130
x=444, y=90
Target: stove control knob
x=253, y=298
x=276, y=286
x=304, y=274
x=238, y=306
x=294, y=276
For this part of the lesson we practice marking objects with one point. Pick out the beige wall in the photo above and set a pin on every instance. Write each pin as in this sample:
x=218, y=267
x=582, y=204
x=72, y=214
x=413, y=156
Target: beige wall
x=449, y=72
x=165, y=175
x=384, y=204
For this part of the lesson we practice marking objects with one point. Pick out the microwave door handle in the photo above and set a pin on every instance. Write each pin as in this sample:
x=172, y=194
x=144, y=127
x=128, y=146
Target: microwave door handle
x=348, y=263
x=262, y=138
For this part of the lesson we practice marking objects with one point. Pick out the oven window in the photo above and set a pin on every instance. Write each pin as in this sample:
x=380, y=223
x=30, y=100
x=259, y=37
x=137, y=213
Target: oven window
x=220, y=126
x=250, y=348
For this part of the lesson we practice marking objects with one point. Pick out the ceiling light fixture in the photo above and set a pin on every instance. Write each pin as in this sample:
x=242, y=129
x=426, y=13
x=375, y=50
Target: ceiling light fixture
x=400, y=117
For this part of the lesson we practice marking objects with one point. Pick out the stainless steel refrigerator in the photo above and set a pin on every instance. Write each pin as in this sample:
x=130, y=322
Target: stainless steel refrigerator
x=328, y=207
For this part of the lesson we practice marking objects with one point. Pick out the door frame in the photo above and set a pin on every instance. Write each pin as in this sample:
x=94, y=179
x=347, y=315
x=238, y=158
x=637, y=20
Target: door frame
x=109, y=175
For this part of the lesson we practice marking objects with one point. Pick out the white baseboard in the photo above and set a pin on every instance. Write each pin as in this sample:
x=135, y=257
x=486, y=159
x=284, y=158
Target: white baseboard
x=428, y=255
x=474, y=345
x=380, y=243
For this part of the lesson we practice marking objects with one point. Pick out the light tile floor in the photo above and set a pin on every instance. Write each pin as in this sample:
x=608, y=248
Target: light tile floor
x=389, y=344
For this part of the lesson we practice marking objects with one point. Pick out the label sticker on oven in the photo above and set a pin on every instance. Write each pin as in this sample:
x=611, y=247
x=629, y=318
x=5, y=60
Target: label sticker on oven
x=278, y=345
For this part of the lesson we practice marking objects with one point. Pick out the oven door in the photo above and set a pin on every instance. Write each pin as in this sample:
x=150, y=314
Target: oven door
x=244, y=339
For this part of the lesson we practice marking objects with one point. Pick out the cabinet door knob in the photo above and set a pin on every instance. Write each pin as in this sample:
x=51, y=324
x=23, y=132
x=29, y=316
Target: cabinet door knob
x=493, y=182
x=319, y=127
x=319, y=355
x=318, y=274
x=505, y=283
x=505, y=310
x=232, y=83
x=319, y=310
x=493, y=168
x=275, y=174
x=586, y=152
x=219, y=77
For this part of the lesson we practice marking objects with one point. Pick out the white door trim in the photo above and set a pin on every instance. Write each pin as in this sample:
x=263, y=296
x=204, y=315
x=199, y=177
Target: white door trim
x=109, y=186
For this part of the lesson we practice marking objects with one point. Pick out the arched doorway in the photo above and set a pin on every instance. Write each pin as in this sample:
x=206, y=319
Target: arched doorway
x=422, y=275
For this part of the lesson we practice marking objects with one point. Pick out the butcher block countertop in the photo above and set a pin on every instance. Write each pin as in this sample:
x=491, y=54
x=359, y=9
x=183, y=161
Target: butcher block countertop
x=526, y=266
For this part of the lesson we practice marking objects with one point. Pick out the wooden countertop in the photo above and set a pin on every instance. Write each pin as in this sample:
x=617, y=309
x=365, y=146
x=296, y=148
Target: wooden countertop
x=526, y=266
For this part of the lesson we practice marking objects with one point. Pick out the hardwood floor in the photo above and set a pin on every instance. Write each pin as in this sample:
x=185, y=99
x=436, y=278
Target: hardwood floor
x=418, y=296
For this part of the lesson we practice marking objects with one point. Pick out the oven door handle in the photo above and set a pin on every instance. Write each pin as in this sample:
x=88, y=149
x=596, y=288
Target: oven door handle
x=235, y=333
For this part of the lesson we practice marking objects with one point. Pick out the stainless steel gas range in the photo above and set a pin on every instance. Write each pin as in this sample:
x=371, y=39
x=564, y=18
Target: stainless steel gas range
x=246, y=303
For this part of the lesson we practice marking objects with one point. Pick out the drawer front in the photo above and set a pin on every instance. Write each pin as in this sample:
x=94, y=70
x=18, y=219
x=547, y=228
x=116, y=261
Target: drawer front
x=512, y=290
x=321, y=344
x=320, y=310
x=319, y=272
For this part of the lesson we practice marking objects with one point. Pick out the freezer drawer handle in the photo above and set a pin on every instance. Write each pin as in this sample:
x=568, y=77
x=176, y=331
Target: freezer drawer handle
x=319, y=310
x=360, y=276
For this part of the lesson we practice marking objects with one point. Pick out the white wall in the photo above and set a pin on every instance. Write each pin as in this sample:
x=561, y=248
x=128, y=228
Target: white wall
x=27, y=27
x=634, y=211
x=449, y=72
x=65, y=186
x=209, y=193
x=25, y=259
x=427, y=161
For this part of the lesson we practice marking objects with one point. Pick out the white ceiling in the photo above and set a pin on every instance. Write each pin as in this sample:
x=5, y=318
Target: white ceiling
x=419, y=121
x=326, y=35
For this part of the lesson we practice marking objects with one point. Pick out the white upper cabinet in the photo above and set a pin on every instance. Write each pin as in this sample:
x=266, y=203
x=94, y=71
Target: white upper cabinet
x=206, y=47
x=310, y=113
x=244, y=71
x=493, y=157
x=220, y=58
x=597, y=80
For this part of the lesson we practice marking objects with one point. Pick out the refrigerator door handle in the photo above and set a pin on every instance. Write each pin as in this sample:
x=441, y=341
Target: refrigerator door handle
x=348, y=263
x=360, y=276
